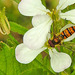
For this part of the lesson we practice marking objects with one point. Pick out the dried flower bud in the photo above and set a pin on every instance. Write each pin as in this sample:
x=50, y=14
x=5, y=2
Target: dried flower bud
x=4, y=23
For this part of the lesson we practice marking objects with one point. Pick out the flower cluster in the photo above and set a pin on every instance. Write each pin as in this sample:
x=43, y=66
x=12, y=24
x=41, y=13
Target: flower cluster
x=34, y=39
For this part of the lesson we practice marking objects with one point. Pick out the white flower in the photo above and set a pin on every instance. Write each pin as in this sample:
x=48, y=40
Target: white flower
x=59, y=60
x=36, y=37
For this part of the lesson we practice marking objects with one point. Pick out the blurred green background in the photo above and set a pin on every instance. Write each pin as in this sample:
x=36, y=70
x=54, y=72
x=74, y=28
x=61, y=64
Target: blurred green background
x=13, y=15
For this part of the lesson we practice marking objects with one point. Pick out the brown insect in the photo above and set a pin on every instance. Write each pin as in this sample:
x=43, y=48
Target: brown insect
x=63, y=35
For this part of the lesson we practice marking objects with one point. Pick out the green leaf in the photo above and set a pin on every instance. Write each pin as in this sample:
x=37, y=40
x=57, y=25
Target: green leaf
x=37, y=71
x=69, y=45
x=73, y=73
x=44, y=62
x=44, y=67
x=10, y=66
x=13, y=39
x=44, y=2
x=17, y=28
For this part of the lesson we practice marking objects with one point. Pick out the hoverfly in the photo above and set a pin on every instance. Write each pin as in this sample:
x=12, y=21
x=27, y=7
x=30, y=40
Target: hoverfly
x=66, y=32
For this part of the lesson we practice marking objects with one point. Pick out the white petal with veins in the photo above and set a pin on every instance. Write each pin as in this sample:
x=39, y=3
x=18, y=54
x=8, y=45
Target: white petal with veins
x=59, y=60
x=70, y=15
x=39, y=19
x=64, y=3
x=32, y=7
x=26, y=55
x=36, y=37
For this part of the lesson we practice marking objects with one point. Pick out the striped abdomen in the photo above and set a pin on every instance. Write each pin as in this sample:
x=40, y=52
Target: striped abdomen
x=67, y=32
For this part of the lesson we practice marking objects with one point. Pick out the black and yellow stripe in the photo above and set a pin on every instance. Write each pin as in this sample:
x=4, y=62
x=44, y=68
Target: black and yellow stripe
x=68, y=32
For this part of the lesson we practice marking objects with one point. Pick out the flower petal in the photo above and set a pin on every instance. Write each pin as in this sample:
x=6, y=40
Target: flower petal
x=39, y=19
x=72, y=36
x=64, y=3
x=31, y=7
x=26, y=55
x=70, y=15
x=59, y=61
x=36, y=37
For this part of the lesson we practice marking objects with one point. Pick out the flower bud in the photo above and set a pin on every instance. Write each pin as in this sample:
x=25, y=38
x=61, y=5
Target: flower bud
x=4, y=24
